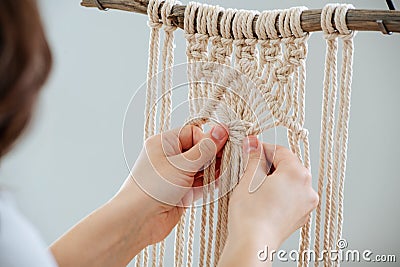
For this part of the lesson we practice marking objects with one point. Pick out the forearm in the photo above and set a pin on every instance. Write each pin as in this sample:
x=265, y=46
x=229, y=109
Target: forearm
x=110, y=236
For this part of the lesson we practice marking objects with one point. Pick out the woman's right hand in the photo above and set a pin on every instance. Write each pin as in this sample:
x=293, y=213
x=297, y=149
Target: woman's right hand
x=273, y=199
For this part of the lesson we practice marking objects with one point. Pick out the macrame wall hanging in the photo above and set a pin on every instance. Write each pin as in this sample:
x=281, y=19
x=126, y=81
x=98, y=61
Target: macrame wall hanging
x=246, y=69
x=251, y=78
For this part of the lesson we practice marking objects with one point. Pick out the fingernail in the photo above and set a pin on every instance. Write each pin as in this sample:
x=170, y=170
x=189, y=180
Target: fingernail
x=218, y=132
x=250, y=144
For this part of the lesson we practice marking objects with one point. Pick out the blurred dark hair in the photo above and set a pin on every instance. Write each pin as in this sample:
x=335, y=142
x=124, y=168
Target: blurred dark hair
x=25, y=62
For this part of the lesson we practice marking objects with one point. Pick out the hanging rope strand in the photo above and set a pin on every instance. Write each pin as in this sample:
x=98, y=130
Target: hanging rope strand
x=330, y=66
x=151, y=92
x=166, y=92
x=346, y=80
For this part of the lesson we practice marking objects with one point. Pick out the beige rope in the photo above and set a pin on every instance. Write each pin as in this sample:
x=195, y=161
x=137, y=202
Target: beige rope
x=155, y=25
x=330, y=81
x=335, y=149
x=196, y=50
x=201, y=25
x=330, y=63
x=214, y=56
x=225, y=52
x=151, y=93
x=343, y=122
x=166, y=92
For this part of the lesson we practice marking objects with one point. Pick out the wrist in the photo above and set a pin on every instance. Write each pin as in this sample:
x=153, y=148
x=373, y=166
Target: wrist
x=255, y=236
x=248, y=248
x=137, y=200
x=133, y=213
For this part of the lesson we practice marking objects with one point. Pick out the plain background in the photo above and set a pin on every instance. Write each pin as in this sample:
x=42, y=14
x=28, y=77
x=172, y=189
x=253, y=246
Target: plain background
x=71, y=161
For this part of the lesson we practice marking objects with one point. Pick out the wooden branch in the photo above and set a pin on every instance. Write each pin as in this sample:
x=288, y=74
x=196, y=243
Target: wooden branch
x=357, y=19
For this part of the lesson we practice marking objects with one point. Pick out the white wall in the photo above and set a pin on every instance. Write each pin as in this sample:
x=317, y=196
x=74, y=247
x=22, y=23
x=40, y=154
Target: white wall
x=71, y=161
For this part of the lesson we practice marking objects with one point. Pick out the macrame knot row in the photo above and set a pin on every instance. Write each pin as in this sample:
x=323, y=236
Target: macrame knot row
x=270, y=51
x=245, y=41
x=195, y=24
x=336, y=13
x=221, y=47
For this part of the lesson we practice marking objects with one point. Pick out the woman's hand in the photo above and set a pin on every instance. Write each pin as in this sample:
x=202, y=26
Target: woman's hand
x=279, y=203
x=167, y=172
x=148, y=205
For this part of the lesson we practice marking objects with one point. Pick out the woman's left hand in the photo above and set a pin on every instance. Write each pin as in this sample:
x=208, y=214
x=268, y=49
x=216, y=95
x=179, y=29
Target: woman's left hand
x=167, y=174
x=161, y=184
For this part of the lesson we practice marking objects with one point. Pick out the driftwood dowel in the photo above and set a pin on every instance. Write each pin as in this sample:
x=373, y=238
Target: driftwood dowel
x=357, y=19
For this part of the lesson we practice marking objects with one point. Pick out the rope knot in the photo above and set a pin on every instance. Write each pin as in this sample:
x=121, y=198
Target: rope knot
x=299, y=52
x=207, y=70
x=296, y=128
x=281, y=74
x=238, y=130
x=273, y=51
x=166, y=11
x=154, y=25
x=170, y=28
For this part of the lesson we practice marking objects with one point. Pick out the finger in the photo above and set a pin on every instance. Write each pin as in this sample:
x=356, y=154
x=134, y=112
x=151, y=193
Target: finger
x=198, y=137
x=200, y=174
x=189, y=136
x=281, y=157
x=177, y=140
x=188, y=199
x=256, y=167
x=304, y=220
x=203, y=152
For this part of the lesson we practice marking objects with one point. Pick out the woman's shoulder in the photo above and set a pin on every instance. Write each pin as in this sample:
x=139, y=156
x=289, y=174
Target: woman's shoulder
x=20, y=243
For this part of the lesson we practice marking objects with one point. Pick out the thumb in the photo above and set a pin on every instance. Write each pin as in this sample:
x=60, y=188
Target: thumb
x=203, y=152
x=256, y=168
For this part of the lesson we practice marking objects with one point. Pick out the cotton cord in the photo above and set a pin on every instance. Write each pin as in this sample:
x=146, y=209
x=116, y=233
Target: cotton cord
x=166, y=92
x=341, y=140
x=151, y=91
x=155, y=24
x=333, y=139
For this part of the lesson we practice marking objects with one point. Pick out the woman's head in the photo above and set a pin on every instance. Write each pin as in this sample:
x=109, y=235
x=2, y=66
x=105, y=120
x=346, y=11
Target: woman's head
x=25, y=62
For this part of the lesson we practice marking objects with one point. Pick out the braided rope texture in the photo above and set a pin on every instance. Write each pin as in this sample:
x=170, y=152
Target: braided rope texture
x=251, y=79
